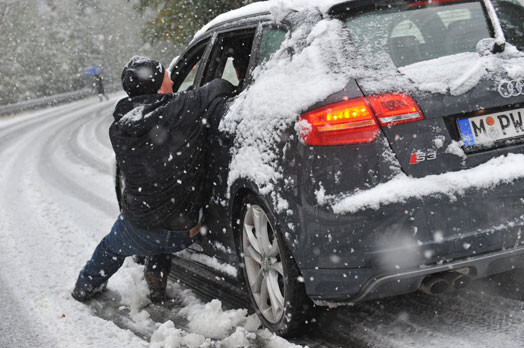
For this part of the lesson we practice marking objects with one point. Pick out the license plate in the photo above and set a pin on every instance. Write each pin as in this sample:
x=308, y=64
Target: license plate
x=485, y=130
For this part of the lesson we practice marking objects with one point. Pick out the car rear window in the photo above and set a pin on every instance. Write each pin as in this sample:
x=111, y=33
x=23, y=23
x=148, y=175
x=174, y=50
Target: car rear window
x=511, y=16
x=417, y=31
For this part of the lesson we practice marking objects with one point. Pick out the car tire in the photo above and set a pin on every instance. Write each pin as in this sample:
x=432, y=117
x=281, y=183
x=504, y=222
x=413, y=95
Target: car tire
x=273, y=280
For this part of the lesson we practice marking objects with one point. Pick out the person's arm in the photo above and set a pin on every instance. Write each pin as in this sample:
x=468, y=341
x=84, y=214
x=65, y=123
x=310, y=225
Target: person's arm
x=188, y=108
x=215, y=117
x=207, y=94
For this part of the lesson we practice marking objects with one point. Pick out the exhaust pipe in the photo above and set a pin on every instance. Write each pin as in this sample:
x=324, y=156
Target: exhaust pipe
x=457, y=280
x=434, y=285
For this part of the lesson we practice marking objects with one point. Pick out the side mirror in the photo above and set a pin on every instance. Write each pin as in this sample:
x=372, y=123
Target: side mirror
x=489, y=46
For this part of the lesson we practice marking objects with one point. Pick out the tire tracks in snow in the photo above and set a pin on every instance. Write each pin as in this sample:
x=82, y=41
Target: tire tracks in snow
x=53, y=169
x=24, y=123
x=42, y=231
x=91, y=154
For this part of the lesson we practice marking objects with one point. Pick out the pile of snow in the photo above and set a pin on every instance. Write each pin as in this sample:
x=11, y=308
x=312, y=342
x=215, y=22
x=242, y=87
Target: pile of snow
x=459, y=73
x=203, y=324
x=130, y=283
x=499, y=170
x=208, y=325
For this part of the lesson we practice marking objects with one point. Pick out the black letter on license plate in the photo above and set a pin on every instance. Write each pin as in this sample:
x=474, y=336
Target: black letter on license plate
x=478, y=129
x=517, y=123
x=503, y=125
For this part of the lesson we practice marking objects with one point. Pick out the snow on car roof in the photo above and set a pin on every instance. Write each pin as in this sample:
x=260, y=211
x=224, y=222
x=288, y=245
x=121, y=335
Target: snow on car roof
x=248, y=10
x=274, y=7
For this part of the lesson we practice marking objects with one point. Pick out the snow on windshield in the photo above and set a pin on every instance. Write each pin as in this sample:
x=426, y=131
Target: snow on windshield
x=397, y=51
x=456, y=74
x=284, y=87
x=460, y=73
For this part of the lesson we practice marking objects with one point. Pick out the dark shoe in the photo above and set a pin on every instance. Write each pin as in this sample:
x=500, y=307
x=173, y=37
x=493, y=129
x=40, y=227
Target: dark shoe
x=156, y=271
x=87, y=294
x=139, y=259
x=157, y=296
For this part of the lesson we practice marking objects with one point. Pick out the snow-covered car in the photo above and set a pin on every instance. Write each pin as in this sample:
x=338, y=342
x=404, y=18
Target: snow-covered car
x=373, y=148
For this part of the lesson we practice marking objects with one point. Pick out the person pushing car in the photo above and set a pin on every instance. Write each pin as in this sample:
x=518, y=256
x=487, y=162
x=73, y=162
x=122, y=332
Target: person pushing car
x=159, y=140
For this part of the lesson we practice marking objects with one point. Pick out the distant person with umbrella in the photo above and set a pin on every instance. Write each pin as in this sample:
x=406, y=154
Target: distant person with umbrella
x=98, y=84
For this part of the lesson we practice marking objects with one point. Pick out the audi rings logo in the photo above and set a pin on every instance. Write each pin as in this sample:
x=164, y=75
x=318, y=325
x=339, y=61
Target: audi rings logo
x=511, y=88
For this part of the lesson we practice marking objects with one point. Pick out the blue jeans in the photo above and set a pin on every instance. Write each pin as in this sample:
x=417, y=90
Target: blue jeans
x=127, y=240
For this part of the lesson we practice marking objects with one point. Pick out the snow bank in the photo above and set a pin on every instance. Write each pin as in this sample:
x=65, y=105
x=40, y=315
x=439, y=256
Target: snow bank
x=194, y=323
x=130, y=283
x=211, y=321
x=503, y=169
x=208, y=325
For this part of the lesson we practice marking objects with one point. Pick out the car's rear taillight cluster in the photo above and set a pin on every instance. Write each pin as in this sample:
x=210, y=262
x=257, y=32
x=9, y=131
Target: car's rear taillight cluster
x=356, y=121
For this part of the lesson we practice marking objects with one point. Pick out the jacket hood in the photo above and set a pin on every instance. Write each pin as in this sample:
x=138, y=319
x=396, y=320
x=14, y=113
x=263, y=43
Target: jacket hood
x=137, y=115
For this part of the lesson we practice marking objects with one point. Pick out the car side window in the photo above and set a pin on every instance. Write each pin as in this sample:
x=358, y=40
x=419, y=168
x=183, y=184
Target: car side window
x=185, y=71
x=270, y=42
x=230, y=57
x=229, y=73
x=189, y=81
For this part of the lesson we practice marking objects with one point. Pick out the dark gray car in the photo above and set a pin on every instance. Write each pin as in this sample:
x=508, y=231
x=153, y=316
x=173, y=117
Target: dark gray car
x=407, y=178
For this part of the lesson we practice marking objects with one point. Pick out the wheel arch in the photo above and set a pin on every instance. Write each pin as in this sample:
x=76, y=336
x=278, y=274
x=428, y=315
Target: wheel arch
x=240, y=190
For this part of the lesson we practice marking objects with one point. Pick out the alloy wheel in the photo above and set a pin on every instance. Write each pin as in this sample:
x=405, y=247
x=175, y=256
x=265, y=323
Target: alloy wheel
x=263, y=263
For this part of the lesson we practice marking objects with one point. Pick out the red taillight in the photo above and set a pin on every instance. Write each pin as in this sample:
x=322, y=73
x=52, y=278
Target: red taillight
x=346, y=122
x=354, y=121
x=393, y=108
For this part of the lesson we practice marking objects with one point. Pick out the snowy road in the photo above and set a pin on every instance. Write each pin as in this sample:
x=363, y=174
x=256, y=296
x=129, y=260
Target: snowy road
x=57, y=201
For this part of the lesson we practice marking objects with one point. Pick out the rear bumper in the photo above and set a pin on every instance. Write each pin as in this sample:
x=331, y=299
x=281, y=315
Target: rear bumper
x=389, y=251
x=417, y=232
x=355, y=285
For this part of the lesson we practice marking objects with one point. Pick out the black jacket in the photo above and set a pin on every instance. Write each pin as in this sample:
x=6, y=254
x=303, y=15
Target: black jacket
x=159, y=143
